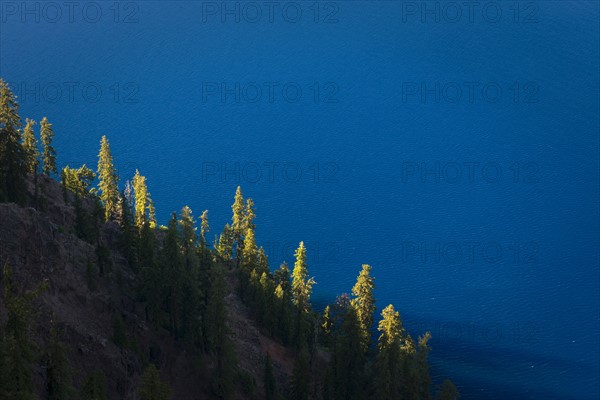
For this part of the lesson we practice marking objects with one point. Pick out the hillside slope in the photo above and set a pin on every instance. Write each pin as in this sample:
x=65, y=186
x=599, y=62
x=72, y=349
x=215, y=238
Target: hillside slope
x=84, y=294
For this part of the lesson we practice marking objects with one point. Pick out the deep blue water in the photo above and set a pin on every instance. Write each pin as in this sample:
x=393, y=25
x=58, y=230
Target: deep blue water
x=371, y=148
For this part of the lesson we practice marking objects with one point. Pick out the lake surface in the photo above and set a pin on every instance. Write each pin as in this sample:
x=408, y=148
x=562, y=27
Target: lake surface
x=453, y=147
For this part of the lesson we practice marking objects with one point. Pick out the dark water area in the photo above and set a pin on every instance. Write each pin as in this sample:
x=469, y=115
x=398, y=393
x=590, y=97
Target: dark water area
x=453, y=149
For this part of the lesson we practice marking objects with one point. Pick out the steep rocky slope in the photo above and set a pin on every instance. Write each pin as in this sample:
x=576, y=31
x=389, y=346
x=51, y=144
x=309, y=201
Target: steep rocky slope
x=41, y=248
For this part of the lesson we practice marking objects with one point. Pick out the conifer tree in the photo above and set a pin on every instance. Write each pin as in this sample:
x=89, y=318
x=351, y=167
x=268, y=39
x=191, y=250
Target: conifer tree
x=237, y=222
x=326, y=325
x=18, y=350
x=144, y=207
x=422, y=380
x=390, y=328
x=13, y=162
x=447, y=391
x=172, y=275
x=152, y=387
x=152, y=280
x=263, y=261
x=128, y=237
x=301, y=376
x=48, y=152
x=364, y=303
x=217, y=334
x=78, y=181
x=282, y=303
x=301, y=291
x=58, y=370
x=30, y=146
x=301, y=284
x=190, y=282
x=188, y=229
x=282, y=277
x=395, y=348
x=151, y=212
x=269, y=379
x=267, y=292
x=109, y=192
x=249, y=215
x=204, y=228
x=249, y=251
x=348, y=358
x=224, y=245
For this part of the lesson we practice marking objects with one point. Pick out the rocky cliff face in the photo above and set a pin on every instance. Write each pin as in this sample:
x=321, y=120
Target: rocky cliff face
x=41, y=247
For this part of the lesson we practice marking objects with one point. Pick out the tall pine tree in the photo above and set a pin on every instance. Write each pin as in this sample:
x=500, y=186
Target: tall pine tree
x=238, y=223
x=204, y=228
x=30, y=146
x=48, y=152
x=13, y=165
x=108, y=180
x=364, y=303
x=301, y=284
x=144, y=207
x=58, y=369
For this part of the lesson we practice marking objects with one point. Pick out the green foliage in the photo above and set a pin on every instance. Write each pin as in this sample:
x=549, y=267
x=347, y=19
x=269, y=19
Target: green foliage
x=13, y=160
x=301, y=285
x=269, y=379
x=48, y=152
x=447, y=391
x=189, y=280
x=364, y=304
x=346, y=373
x=184, y=286
x=17, y=352
x=390, y=327
x=94, y=387
x=58, y=369
x=30, y=146
x=249, y=215
x=421, y=378
x=217, y=335
x=189, y=239
x=151, y=387
x=249, y=251
x=172, y=276
x=151, y=273
x=144, y=207
x=224, y=245
x=326, y=325
x=238, y=225
x=78, y=181
x=394, y=359
x=204, y=228
x=238, y=218
x=301, y=376
x=128, y=242
x=348, y=358
x=107, y=176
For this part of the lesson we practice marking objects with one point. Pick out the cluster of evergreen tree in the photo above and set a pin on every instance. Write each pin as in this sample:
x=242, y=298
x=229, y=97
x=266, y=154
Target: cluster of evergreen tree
x=183, y=283
x=184, y=289
x=179, y=281
x=19, y=153
x=396, y=368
